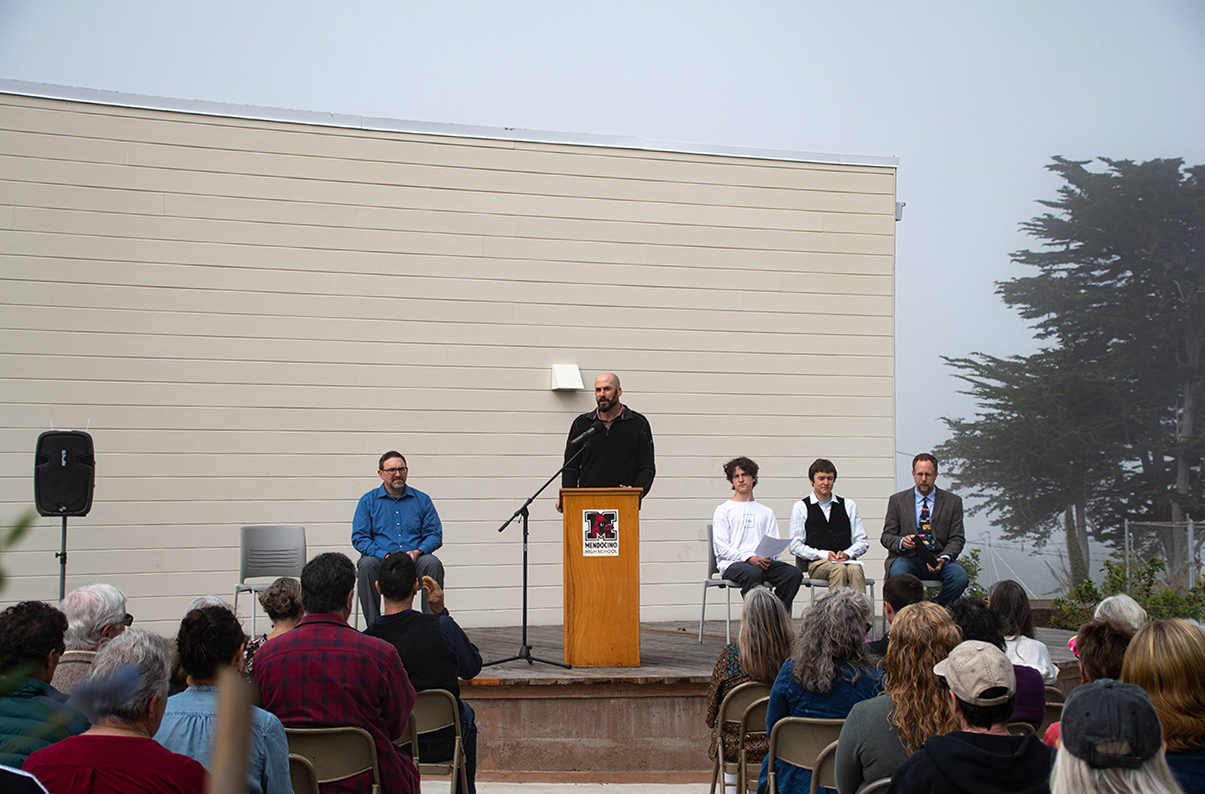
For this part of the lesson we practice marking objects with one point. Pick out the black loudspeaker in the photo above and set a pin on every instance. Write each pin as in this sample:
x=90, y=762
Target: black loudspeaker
x=64, y=473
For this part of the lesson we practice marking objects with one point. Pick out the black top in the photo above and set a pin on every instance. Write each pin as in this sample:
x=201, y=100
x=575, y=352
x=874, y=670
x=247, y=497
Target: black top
x=832, y=533
x=976, y=763
x=619, y=455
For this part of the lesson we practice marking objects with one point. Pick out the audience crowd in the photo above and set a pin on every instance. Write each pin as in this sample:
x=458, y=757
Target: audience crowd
x=947, y=701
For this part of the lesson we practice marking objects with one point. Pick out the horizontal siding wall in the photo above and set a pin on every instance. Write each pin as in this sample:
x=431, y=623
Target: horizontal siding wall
x=245, y=314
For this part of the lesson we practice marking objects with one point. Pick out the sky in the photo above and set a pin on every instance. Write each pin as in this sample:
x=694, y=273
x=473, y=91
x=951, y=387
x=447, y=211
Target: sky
x=973, y=98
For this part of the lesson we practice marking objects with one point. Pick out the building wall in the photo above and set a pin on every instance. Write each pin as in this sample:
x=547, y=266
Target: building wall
x=245, y=313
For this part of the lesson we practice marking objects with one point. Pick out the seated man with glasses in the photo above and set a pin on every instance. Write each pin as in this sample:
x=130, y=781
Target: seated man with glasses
x=394, y=518
x=96, y=613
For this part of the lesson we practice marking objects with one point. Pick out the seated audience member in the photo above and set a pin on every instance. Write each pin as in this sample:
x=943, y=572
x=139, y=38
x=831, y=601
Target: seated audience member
x=125, y=695
x=899, y=591
x=95, y=613
x=830, y=670
x=1008, y=600
x=1101, y=646
x=981, y=756
x=324, y=673
x=763, y=644
x=978, y=622
x=1111, y=743
x=1122, y=608
x=282, y=601
x=737, y=529
x=434, y=650
x=880, y=733
x=209, y=639
x=1167, y=659
x=33, y=713
x=179, y=678
x=828, y=542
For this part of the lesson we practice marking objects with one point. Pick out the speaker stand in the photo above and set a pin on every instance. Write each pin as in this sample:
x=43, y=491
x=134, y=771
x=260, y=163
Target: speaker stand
x=62, y=555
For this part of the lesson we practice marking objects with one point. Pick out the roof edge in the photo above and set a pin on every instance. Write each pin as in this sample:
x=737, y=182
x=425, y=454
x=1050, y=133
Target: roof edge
x=200, y=107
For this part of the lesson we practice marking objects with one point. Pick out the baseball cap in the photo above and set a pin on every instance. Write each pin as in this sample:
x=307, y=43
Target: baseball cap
x=974, y=667
x=1110, y=711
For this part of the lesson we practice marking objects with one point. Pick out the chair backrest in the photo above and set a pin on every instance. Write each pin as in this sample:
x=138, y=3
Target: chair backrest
x=1055, y=695
x=1054, y=713
x=302, y=775
x=271, y=550
x=824, y=771
x=434, y=710
x=879, y=786
x=799, y=741
x=732, y=709
x=713, y=569
x=337, y=753
x=752, y=721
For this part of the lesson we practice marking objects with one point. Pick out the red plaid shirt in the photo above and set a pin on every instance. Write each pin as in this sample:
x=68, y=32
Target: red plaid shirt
x=324, y=673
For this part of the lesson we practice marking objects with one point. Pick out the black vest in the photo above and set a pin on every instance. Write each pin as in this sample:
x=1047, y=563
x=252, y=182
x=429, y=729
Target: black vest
x=428, y=662
x=831, y=534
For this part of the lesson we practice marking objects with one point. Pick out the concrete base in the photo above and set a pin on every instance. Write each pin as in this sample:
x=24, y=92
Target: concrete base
x=629, y=732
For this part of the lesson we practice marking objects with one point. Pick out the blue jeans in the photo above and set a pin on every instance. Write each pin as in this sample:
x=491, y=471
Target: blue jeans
x=952, y=575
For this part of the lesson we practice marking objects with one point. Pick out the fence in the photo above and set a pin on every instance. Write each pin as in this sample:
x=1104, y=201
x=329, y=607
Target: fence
x=1174, y=542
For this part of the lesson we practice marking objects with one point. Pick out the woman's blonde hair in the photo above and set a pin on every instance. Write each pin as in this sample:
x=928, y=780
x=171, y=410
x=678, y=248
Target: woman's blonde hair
x=921, y=636
x=765, y=636
x=832, y=633
x=1072, y=775
x=1166, y=658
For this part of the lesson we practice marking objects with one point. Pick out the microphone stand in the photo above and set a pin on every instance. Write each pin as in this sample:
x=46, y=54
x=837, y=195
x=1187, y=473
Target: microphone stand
x=524, y=648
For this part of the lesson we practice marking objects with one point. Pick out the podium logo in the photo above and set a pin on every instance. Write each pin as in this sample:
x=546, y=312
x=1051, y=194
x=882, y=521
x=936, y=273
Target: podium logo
x=600, y=533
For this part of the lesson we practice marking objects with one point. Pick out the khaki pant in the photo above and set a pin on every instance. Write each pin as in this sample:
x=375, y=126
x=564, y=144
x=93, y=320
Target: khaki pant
x=838, y=574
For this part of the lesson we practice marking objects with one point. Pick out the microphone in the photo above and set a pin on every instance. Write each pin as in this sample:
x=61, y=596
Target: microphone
x=589, y=432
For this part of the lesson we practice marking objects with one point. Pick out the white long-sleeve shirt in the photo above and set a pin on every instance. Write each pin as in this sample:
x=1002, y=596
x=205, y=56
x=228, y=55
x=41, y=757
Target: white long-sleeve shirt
x=1031, y=653
x=859, y=542
x=737, y=528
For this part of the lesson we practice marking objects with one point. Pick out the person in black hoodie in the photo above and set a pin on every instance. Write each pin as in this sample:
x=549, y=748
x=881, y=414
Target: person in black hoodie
x=982, y=756
x=435, y=651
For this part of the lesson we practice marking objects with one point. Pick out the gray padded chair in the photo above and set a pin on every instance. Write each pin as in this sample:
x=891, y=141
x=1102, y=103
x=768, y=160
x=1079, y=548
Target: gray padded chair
x=268, y=550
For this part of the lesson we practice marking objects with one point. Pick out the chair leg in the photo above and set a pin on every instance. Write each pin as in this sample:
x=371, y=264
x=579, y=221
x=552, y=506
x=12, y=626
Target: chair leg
x=716, y=772
x=728, y=617
x=704, y=613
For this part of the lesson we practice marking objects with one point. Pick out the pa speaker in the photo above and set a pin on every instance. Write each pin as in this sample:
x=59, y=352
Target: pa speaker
x=64, y=473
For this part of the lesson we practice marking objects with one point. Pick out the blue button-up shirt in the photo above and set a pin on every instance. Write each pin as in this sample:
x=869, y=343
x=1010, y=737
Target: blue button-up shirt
x=385, y=525
x=190, y=725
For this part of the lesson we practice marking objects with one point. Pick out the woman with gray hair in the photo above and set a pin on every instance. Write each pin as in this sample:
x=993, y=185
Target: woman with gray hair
x=830, y=670
x=1111, y=743
x=124, y=696
x=95, y=613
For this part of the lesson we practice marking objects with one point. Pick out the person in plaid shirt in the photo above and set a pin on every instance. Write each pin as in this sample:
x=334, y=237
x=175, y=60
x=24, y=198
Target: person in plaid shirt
x=324, y=673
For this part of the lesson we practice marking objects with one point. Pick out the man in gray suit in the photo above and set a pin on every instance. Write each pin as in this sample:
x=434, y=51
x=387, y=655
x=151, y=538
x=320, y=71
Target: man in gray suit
x=930, y=516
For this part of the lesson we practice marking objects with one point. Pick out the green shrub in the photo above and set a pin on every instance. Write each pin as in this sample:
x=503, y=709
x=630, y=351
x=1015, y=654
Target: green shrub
x=1077, y=607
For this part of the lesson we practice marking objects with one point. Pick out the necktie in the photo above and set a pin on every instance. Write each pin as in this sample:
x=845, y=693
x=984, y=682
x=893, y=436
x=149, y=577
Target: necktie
x=925, y=527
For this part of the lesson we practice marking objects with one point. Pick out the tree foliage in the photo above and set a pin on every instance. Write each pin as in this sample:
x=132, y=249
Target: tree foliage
x=1106, y=420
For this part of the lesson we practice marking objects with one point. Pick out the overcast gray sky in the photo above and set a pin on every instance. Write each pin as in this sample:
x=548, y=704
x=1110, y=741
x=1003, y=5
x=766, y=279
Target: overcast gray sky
x=973, y=98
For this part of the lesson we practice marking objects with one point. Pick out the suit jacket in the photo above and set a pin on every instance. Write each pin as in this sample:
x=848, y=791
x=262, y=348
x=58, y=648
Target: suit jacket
x=945, y=517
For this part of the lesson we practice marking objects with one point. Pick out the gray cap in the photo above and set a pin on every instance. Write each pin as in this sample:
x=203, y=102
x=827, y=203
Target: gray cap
x=1110, y=711
x=974, y=667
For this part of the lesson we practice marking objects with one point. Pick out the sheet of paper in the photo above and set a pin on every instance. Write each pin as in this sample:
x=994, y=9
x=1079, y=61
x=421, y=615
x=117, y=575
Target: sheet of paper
x=772, y=547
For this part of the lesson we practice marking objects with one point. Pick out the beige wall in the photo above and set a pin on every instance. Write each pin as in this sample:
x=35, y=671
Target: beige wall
x=247, y=313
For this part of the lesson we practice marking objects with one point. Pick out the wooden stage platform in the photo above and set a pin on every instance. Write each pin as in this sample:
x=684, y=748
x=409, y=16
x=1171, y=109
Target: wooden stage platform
x=538, y=722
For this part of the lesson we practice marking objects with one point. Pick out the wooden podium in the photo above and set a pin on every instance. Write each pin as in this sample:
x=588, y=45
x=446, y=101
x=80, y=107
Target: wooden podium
x=602, y=576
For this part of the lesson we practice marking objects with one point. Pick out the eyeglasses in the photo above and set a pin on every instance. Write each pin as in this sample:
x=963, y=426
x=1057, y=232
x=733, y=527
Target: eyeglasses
x=395, y=471
x=128, y=620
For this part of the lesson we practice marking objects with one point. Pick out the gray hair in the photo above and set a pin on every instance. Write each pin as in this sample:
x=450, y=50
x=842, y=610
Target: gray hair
x=89, y=610
x=1122, y=608
x=210, y=600
x=128, y=671
x=1072, y=775
x=832, y=633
